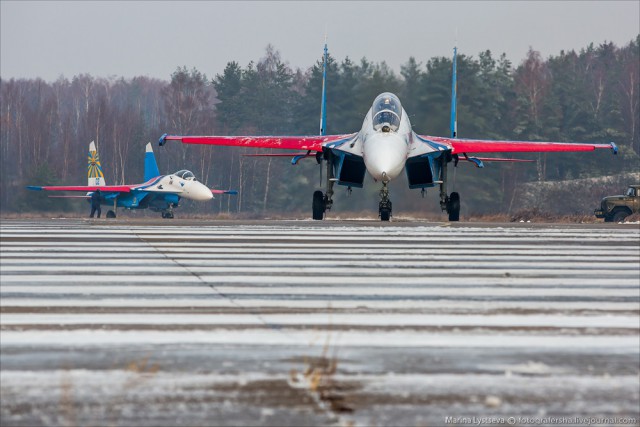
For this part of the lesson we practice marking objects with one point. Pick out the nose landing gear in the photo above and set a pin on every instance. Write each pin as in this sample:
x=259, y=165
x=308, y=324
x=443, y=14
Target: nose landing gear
x=168, y=214
x=384, y=208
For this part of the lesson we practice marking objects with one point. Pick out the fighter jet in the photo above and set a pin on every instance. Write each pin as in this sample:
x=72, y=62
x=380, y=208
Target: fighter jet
x=160, y=193
x=385, y=146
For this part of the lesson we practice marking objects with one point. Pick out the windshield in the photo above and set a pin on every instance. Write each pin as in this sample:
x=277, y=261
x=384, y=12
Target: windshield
x=186, y=175
x=386, y=112
x=631, y=192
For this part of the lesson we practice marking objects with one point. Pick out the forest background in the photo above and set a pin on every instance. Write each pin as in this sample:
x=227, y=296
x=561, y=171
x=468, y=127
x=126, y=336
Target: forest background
x=590, y=95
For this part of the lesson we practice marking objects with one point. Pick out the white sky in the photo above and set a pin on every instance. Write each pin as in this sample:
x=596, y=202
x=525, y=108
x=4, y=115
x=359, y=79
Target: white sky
x=51, y=38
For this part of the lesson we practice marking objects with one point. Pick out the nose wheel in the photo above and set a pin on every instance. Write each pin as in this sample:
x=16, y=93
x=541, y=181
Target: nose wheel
x=384, y=208
x=168, y=214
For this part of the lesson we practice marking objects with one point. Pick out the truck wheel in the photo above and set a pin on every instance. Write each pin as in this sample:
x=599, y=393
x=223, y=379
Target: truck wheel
x=619, y=216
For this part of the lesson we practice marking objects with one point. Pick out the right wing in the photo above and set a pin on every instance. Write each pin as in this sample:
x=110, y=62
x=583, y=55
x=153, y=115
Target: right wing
x=309, y=143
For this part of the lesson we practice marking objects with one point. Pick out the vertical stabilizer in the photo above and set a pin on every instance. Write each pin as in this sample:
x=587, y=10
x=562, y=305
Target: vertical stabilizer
x=94, y=169
x=454, y=114
x=323, y=107
x=150, y=166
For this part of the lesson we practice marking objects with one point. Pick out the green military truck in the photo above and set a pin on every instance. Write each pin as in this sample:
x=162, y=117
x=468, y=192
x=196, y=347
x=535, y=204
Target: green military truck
x=617, y=208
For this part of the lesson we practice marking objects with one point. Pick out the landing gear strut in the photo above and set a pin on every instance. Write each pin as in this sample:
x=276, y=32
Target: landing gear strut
x=450, y=203
x=323, y=202
x=384, y=208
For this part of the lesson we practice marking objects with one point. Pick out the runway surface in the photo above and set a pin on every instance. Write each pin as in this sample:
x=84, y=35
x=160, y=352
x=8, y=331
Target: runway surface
x=306, y=323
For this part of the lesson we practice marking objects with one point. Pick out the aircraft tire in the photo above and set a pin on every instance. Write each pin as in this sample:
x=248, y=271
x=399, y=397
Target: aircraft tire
x=111, y=214
x=318, y=206
x=385, y=214
x=454, y=207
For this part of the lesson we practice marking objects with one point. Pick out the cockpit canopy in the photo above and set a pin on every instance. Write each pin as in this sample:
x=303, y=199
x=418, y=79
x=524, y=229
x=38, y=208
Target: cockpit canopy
x=386, y=112
x=186, y=175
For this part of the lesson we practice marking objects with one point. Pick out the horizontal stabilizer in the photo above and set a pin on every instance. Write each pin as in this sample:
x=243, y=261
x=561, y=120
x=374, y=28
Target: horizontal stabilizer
x=295, y=157
x=500, y=159
x=277, y=155
x=234, y=192
x=479, y=161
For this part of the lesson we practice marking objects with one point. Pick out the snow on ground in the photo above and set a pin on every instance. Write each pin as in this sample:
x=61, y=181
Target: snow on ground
x=300, y=323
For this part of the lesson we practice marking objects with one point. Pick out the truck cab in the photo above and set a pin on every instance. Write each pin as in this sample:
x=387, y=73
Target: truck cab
x=617, y=208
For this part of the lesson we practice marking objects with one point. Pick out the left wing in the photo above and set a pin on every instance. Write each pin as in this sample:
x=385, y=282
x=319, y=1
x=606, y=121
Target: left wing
x=309, y=143
x=103, y=188
x=459, y=146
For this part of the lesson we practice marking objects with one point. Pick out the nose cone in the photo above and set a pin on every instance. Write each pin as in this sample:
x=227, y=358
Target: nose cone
x=199, y=192
x=385, y=156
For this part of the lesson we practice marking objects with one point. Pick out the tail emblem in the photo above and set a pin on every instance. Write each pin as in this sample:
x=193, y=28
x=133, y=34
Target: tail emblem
x=94, y=169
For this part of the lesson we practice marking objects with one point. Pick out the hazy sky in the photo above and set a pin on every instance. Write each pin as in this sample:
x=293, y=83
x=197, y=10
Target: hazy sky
x=52, y=38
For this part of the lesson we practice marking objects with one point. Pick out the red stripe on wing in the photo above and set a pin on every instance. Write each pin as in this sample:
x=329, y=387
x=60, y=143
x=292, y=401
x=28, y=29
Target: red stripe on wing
x=104, y=188
x=313, y=143
x=489, y=146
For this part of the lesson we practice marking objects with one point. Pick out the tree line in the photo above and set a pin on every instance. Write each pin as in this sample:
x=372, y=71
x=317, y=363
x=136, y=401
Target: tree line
x=592, y=95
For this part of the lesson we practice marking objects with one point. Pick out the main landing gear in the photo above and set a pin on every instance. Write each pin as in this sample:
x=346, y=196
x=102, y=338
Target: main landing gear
x=322, y=202
x=450, y=203
x=453, y=206
x=112, y=213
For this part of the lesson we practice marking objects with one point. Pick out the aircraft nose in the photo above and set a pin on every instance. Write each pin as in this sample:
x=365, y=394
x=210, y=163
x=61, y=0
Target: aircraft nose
x=201, y=193
x=384, y=159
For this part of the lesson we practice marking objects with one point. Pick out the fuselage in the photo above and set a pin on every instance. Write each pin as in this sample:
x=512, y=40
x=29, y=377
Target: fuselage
x=162, y=192
x=386, y=137
x=183, y=185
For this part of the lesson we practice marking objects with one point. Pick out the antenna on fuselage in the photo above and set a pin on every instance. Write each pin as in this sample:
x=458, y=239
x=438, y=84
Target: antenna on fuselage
x=323, y=106
x=454, y=117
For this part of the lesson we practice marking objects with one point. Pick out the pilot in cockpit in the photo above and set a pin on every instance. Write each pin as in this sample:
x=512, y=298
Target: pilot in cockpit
x=386, y=112
x=186, y=175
